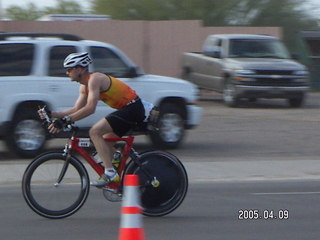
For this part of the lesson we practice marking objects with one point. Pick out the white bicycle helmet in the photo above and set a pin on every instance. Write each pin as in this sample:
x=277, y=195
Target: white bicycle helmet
x=77, y=59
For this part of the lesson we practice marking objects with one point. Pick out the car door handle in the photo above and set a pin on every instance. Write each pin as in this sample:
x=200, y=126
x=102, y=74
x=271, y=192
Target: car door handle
x=53, y=88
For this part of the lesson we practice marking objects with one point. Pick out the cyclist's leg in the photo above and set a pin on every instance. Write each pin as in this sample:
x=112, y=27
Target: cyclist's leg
x=105, y=152
x=115, y=124
x=105, y=149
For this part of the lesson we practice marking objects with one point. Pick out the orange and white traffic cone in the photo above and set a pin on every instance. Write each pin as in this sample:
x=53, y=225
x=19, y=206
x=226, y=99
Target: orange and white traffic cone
x=131, y=220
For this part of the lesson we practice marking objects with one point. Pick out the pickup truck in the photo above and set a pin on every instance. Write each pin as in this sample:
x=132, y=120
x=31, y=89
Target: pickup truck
x=247, y=66
x=32, y=75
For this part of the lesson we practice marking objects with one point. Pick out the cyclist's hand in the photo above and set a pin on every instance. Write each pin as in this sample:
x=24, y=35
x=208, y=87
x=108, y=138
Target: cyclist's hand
x=52, y=129
x=58, y=124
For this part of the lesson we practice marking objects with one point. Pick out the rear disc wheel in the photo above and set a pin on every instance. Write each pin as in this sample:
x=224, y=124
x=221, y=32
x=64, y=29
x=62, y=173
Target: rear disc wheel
x=165, y=186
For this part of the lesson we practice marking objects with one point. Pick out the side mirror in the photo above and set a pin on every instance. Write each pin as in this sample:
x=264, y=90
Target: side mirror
x=295, y=56
x=134, y=72
x=213, y=53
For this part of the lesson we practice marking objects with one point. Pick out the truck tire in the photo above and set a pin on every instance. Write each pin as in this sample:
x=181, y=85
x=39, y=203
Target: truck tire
x=230, y=97
x=296, y=102
x=170, y=124
x=26, y=136
x=186, y=73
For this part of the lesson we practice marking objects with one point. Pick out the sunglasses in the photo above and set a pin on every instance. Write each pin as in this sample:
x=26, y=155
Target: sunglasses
x=68, y=70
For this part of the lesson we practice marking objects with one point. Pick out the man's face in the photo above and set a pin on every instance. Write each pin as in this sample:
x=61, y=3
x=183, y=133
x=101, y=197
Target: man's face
x=73, y=73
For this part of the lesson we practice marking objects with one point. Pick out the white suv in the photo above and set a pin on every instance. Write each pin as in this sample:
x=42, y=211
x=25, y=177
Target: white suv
x=31, y=75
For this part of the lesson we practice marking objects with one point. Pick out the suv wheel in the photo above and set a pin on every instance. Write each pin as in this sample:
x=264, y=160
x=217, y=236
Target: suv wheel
x=171, y=127
x=26, y=136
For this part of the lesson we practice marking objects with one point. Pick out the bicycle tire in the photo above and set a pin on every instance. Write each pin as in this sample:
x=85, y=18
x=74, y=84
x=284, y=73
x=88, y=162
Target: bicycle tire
x=157, y=201
x=46, y=198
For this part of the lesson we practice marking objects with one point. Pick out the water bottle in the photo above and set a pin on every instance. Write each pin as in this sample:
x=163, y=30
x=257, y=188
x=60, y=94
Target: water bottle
x=116, y=159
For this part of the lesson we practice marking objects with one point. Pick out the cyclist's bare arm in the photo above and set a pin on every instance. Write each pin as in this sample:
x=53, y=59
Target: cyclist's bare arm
x=91, y=100
x=80, y=103
x=86, y=102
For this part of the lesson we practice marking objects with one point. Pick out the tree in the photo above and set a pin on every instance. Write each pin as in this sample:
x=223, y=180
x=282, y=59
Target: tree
x=32, y=12
x=65, y=7
x=210, y=11
x=289, y=14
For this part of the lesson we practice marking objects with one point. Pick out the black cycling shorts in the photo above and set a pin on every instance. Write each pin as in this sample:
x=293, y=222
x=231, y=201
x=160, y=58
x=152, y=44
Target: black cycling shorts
x=126, y=118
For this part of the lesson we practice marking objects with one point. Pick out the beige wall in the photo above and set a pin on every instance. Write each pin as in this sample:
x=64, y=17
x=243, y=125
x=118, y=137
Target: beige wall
x=156, y=46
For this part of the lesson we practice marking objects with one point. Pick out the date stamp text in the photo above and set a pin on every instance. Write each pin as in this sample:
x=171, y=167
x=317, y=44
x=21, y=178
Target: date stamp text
x=255, y=214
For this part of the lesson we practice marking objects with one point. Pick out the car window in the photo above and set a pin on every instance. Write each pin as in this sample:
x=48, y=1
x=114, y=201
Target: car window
x=16, y=59
x=106, y=61
x=57, y=56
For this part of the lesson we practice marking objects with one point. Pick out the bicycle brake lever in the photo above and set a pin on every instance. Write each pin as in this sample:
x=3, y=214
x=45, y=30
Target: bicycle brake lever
x=45, y=114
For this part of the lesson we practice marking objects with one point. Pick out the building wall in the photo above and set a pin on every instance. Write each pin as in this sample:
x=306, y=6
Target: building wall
x=156, y=46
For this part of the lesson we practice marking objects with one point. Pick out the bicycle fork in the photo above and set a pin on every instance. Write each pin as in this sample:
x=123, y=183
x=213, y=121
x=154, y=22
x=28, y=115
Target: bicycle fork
x=65, y=166
x=153, y=181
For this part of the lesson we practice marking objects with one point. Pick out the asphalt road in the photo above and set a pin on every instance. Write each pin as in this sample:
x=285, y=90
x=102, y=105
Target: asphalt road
x=220, y=210
x=260, y=157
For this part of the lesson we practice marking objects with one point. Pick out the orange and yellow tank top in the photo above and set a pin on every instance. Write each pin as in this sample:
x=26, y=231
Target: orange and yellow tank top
x=118, y=95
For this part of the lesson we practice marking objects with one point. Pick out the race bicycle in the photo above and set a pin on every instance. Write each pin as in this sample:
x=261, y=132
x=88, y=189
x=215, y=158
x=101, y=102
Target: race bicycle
x=56, y=184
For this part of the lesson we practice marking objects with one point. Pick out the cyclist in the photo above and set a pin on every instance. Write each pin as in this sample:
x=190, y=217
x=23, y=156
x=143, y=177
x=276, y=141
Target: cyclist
x=96, y=86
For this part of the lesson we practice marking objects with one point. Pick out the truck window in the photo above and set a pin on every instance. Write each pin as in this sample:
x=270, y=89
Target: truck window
x=106, y=61
x=256, y=48
x=57, y=56
x=212, y=47
x=218, y=42
x=16, y=59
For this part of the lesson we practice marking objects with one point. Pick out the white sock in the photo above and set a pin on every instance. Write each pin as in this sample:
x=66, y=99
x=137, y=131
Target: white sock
x=110, y=172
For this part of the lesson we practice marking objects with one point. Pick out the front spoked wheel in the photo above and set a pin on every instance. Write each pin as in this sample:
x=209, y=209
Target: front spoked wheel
x=163, y=181
x=54, y=188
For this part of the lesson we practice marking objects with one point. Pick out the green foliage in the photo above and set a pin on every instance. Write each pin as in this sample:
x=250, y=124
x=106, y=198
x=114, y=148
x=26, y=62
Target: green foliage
x=32, y=12
x=289, y=14
x=210, y=11
x=292, y=15
x=65, y=7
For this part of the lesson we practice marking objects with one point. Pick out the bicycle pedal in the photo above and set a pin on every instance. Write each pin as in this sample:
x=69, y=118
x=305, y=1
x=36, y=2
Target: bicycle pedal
x=110, y=190
x=112, y=195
